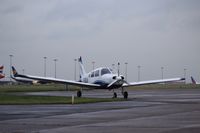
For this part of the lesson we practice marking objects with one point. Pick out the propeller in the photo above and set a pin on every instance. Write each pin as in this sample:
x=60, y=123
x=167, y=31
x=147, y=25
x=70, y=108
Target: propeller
x=117, y=79
x=122, y=77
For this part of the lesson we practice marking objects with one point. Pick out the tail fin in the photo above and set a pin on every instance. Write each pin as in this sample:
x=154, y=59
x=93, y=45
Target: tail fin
x=1, y=69
x=2, y=76
x=82, y=69
x=1, y=72
x=15, y=74
x=193, y=81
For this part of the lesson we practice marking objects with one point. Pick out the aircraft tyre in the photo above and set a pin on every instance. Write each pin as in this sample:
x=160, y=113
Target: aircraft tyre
x=79, y=93
x=114, y=95
x=125, y=95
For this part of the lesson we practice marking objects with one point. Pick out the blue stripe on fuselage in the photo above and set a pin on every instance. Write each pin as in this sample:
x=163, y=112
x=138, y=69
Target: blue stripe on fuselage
x=101, y=83
x=104, y=85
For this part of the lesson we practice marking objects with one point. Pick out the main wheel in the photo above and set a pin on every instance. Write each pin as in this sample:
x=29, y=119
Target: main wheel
x=125, y=95
x=79, y=93
x=114, y=95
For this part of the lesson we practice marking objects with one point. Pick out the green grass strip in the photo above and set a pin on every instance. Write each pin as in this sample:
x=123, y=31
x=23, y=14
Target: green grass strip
x=7, y=99
x=31, y=88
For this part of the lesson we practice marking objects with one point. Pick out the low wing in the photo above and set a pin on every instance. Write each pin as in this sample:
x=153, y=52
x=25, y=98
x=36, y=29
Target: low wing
x=153, y=82
x=54, y=80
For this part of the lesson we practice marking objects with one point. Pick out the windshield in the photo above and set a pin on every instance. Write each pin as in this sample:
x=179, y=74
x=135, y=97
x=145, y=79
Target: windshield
x=105, y=71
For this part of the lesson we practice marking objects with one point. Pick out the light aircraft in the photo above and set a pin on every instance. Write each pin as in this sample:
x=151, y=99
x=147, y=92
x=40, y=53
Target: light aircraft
x=1, y=72
x=194, y=81
x=100, y=78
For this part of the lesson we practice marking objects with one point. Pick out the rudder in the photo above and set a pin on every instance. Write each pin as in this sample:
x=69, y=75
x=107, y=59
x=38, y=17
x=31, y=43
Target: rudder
x=82, y=69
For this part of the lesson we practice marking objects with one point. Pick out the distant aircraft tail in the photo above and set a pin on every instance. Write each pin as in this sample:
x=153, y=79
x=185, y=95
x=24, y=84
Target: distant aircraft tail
x=1, y=72
x=1, y=69
x=14, y=72
x=82, y=69
x=193, y=81
x=2, y=76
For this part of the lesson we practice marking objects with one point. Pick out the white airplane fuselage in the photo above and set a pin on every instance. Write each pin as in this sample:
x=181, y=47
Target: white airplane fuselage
x=104, y=77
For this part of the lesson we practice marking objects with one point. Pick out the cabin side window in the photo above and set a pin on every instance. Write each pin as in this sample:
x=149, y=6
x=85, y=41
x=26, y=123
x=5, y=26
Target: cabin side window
x=92, y=75
x=97, y=73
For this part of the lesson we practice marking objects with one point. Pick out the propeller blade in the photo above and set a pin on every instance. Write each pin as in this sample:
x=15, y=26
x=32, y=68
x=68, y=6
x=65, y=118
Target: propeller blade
x=112, y=83
x=121, y=81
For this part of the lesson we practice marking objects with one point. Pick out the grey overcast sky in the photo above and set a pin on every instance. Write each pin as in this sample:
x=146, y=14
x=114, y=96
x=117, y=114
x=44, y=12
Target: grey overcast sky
x=149, y=33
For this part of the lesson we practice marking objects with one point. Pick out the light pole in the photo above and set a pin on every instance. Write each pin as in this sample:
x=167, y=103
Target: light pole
x=126, y=63
x=93, y=65
x=10, y=66
x=118, y=68
x=45, y=58
x=75, y=60
x=23, y=71
x=55, y=60
x=113, y=67
x=162, y=68
x=139, y=73
x=185, y=74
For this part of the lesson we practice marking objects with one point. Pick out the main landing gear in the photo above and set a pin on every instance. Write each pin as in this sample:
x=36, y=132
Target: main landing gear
x=124, y=93
x=79, y=93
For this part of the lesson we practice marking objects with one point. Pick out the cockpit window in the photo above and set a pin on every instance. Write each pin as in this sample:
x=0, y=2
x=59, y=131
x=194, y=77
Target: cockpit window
x=105, y=71
x=111, y=69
